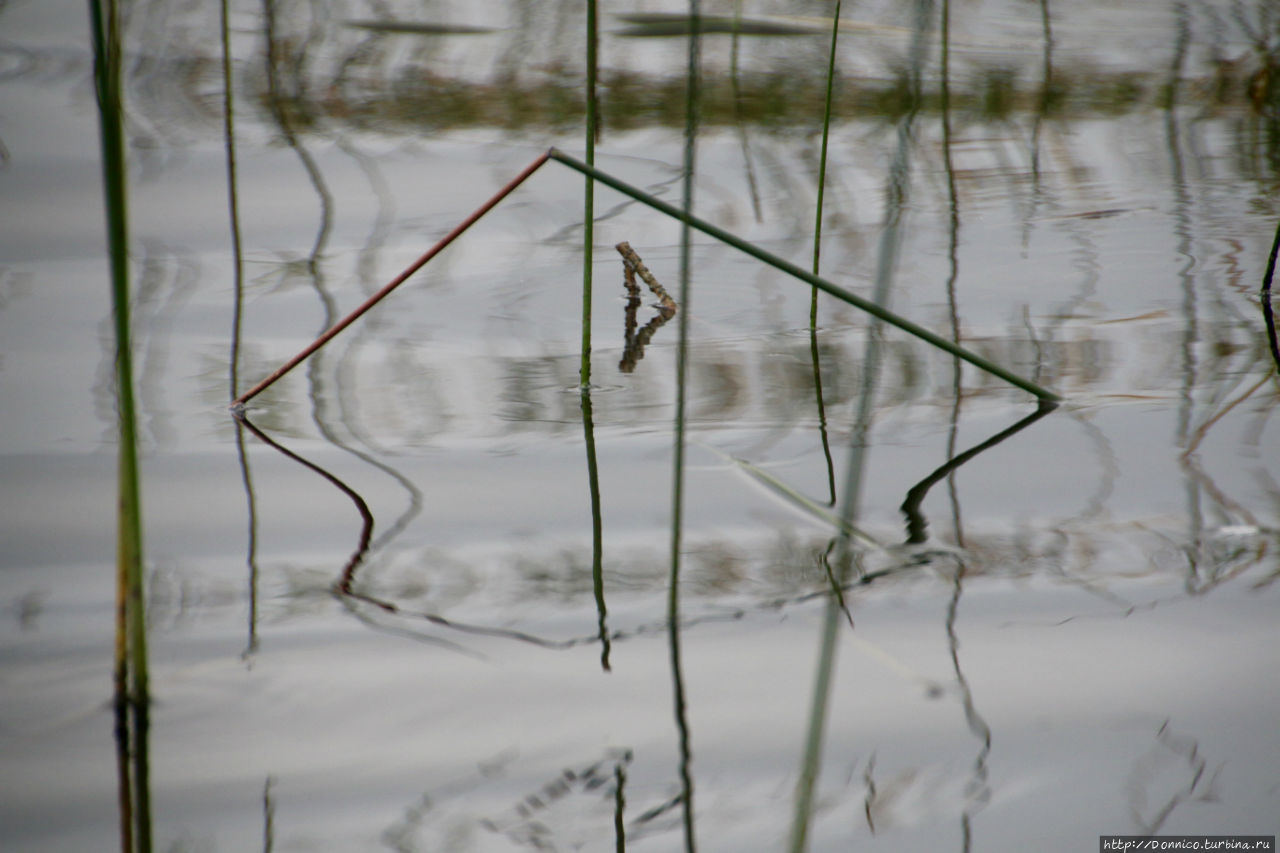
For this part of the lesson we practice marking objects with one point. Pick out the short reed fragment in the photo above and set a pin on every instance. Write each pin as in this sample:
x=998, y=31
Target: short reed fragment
x=632, y=262
x=635, y=342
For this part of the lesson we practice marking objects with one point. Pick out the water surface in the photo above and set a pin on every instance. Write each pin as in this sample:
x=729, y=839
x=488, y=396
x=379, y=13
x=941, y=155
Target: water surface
x=1079, y=637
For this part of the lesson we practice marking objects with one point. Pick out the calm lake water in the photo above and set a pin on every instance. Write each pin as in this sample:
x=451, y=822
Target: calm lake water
x=1070, y=632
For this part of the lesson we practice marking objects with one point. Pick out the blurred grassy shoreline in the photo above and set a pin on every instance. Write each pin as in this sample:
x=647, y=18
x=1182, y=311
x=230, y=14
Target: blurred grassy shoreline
x=781, y=101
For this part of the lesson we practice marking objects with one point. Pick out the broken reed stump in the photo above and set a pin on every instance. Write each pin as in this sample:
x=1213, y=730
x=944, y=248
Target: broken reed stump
x=631, y=261
x=635, y=342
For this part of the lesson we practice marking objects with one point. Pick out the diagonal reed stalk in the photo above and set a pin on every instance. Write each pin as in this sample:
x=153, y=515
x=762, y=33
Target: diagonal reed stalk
x=373, y=300
x=782, y=265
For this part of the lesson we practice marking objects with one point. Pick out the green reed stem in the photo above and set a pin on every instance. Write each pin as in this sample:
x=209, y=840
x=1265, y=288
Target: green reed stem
x=822, y=159
x=791, y=269
x=130, y=666
x=129, y=542
x=588, y=201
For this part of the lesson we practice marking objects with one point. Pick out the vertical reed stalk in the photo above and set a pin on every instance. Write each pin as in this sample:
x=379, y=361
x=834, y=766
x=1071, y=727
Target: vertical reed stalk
x=588, y=201
x=584, y=374
x=682, y=372
x=953, y=274
x=822, y=160
x=130, y=666
x=597, y=530
x=817, y=255
x=233, y=203
x=237, y=315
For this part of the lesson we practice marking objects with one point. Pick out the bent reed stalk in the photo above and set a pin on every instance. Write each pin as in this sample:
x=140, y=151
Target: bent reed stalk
x=778, y=263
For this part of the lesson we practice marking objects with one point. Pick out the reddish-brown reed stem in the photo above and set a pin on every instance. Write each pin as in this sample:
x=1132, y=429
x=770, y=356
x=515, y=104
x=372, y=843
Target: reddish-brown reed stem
x=393, y=284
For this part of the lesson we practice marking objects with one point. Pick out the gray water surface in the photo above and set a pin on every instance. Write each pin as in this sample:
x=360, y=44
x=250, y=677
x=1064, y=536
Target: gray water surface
x=1083, y=643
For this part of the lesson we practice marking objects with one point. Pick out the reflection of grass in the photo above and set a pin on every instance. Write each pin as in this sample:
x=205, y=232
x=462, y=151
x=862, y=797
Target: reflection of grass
x=779, y=100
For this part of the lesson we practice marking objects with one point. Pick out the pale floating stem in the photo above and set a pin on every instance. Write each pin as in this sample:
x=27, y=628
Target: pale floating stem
x=393, y=284
x=792, y=496
x=597, y=530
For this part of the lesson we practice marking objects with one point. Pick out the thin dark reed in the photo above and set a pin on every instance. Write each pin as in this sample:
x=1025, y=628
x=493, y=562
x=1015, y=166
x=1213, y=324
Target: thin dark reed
x=237, y=317
x=597, y=530
x=268, y=816
x=953, y=270
x=1267, y=311
x=678, y=451
x=233, y=203
x=619, y=808
x=584, y=372
x=344, y=584
x=822, y=160
x=817, y=256
x=917, y=524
